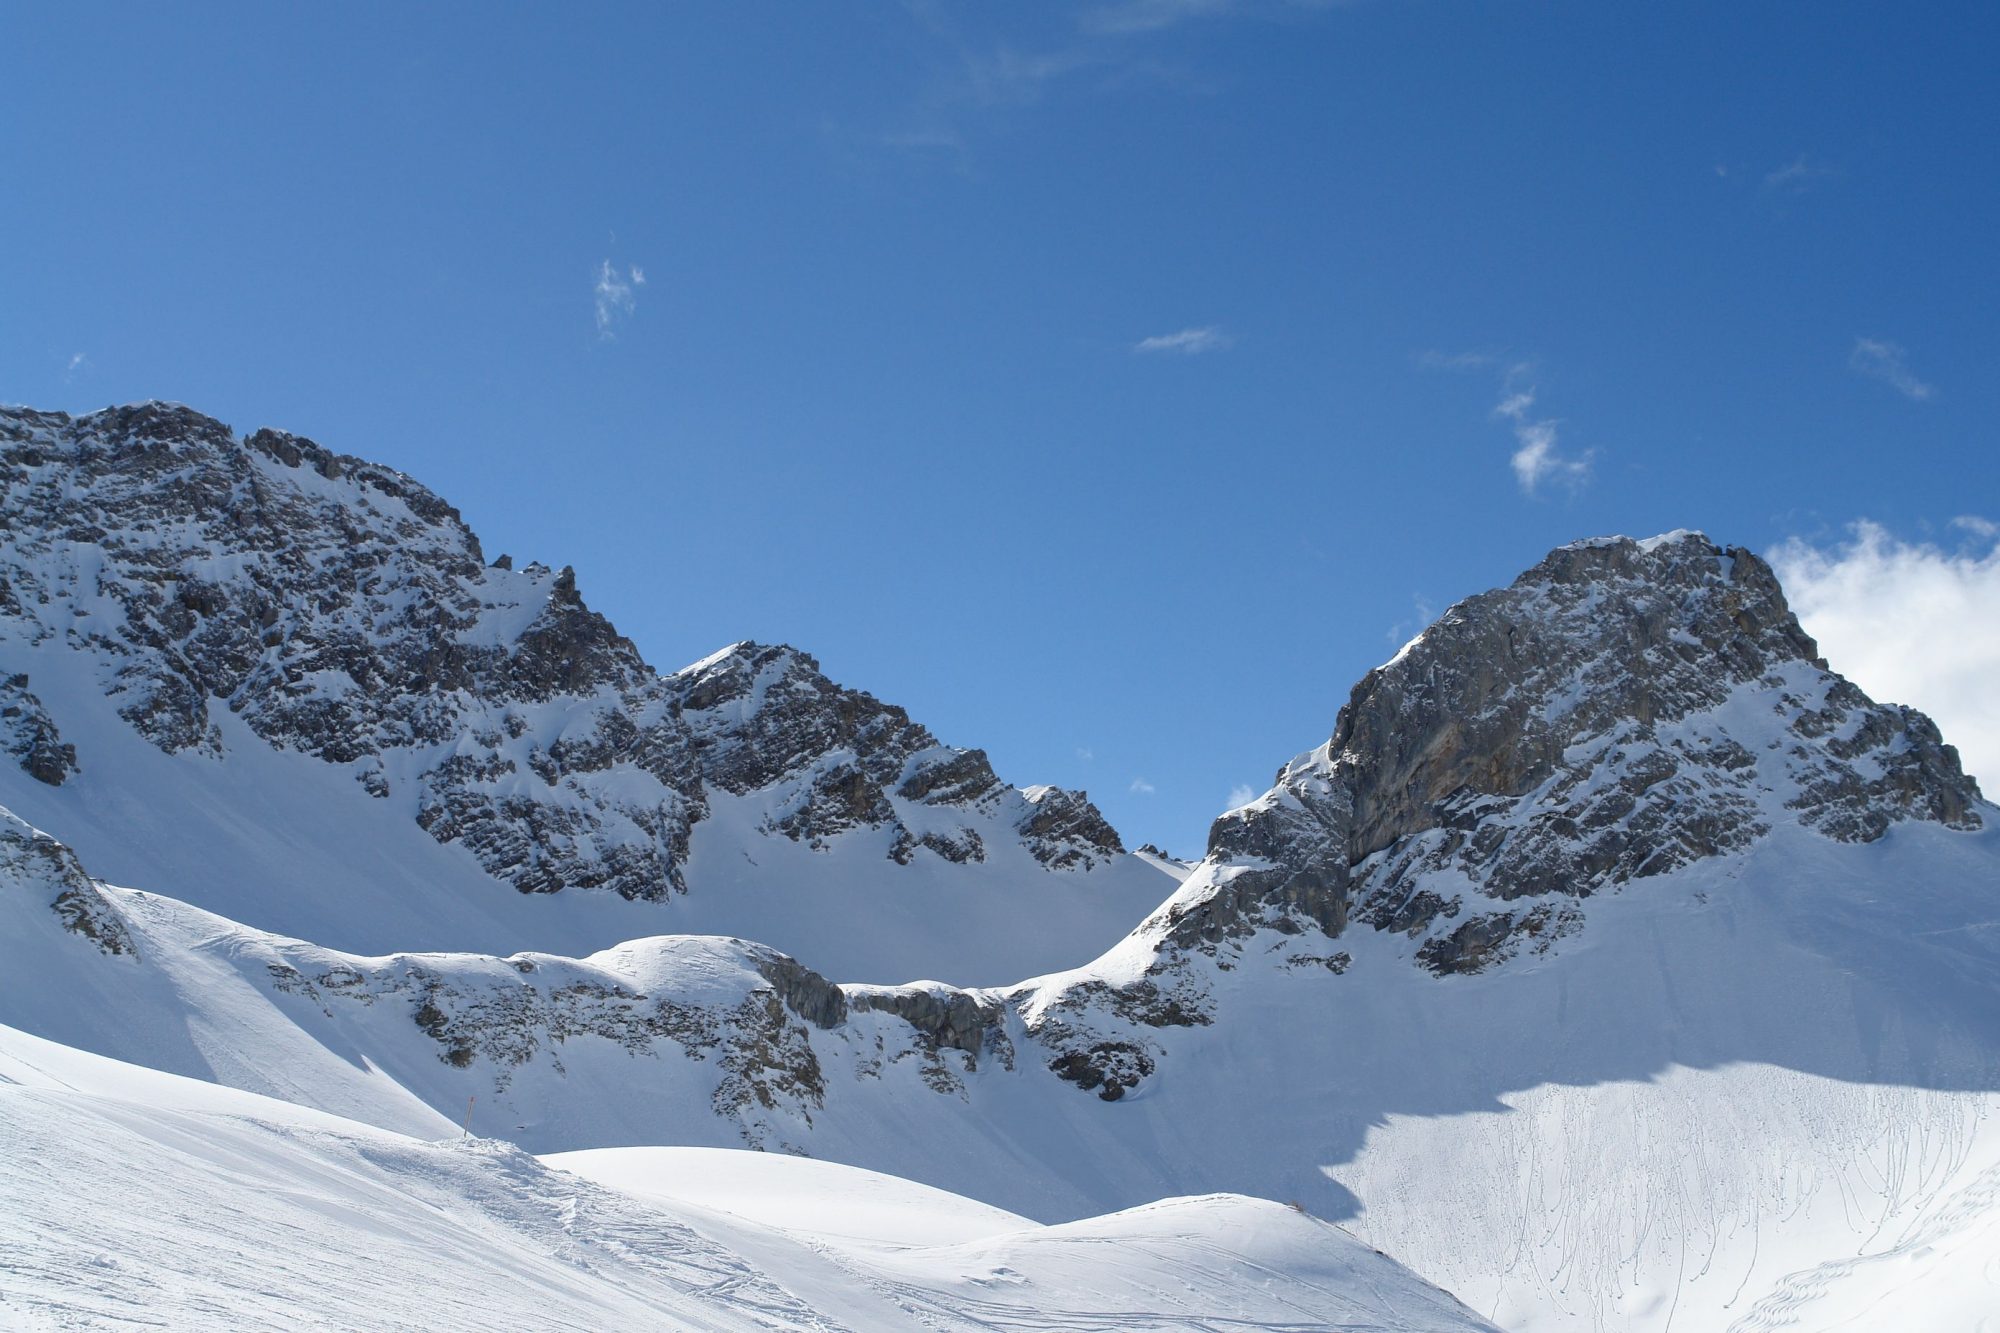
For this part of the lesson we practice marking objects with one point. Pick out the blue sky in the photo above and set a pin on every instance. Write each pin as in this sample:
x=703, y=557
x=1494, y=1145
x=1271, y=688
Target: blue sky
x=1110, y=385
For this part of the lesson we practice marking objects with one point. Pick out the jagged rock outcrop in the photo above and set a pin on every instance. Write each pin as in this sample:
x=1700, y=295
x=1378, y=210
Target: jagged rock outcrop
x=1065, y=829
x=1623, y=709
x=29, y=734
x=761, y=715
x=339, y=609
x=34, y=864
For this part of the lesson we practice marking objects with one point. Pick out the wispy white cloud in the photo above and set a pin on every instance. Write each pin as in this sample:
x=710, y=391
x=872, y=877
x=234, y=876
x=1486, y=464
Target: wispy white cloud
x=1126, y=18
x=1421, y=615
x=1135, y=16
x=1188, y=342
x=983, y=64
x=1009, y=76
x=1436, y=360
x=1911, y=622
x=1538, y=458
x=1143, y=787
x=616, y=295
x=1885, y=361
x=78, y=363
x=1085, y=753
x=1797, y=176
x=1977, y=526
x=1241, y=794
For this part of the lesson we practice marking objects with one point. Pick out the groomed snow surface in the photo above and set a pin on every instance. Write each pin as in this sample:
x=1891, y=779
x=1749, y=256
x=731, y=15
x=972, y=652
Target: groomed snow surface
x=134, y=1198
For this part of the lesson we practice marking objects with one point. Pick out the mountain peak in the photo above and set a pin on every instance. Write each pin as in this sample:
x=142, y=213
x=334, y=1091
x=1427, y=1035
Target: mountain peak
x=1621, y=709
x=207, y=583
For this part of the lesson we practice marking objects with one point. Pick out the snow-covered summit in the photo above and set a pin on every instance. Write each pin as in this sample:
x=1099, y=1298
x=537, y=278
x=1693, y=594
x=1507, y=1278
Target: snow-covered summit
x=760, y=714
x=228, y=598
x=1622, y=709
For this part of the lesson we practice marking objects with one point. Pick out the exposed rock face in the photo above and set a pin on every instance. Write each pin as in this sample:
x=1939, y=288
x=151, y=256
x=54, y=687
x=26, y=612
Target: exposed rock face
x=760, y=716
x=1623, y=709
x=31, y=862
x=966, y=1021
x=804, y=991
x=30, y=736
x=504, y=1015
x=1065, y=829
x=341, y=610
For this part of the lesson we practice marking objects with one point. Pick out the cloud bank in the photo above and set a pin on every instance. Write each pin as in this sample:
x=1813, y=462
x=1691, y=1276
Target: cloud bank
x=1912, y=623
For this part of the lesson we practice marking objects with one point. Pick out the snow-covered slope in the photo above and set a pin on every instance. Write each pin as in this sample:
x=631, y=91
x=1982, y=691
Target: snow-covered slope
x=1781, y=1087
x=134, y=1198
x=1614, y=965
x=286, y=685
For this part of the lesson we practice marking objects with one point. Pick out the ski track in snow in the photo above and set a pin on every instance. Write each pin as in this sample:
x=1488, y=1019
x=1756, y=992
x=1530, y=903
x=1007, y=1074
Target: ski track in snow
x=1943, y=1272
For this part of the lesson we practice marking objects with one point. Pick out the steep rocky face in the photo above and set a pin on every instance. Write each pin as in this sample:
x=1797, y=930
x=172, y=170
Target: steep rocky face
x=1622, y=710
x=339, y=609
x=34, y=865
x=761, y=716
x=29, y=735
x=1065, y=829
x=262, y=572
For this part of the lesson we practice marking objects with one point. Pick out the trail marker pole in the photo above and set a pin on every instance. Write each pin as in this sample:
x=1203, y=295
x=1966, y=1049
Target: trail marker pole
x=467, y=1126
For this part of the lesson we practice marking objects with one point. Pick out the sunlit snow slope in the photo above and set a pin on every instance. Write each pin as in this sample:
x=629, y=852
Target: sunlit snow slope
x=139, y=1199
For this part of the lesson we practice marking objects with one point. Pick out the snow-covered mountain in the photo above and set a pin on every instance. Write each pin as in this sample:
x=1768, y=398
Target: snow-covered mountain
x=287, y=685
x=1614, y=964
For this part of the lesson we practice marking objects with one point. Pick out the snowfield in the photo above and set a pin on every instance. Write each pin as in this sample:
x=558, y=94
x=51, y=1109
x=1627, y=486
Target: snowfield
x=1791, y=1112
x=139, y=1199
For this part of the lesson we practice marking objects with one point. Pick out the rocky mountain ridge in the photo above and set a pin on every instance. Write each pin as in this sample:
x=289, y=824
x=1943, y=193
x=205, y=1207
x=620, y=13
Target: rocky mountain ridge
x=1622, y=711
x=1609, y=926
x=343, y=611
